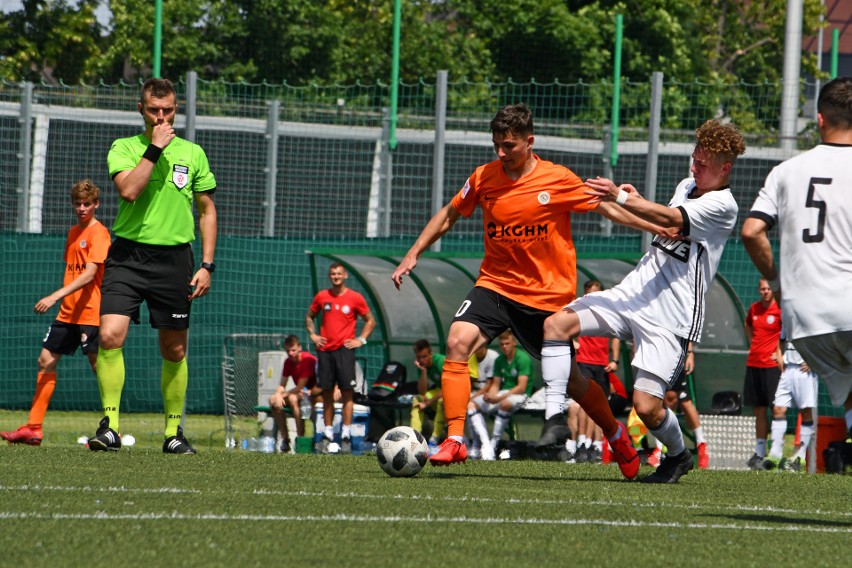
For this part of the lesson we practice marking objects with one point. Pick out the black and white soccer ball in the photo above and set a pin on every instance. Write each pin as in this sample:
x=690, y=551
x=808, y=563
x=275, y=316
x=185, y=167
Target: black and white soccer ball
x=402, y=452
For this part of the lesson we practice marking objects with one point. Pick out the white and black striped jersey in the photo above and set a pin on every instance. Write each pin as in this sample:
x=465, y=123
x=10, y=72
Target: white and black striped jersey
x=669, y=284
x=809, y=197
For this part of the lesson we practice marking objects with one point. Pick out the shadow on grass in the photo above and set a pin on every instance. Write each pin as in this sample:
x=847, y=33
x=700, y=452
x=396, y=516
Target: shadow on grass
x=479, y=475
x=785, y=520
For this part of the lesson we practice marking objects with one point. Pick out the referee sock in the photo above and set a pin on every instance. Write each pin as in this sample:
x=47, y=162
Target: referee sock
x=110, y=371
x=45, y=385
x=173, y=384
x=555, y=370
x=455, y=386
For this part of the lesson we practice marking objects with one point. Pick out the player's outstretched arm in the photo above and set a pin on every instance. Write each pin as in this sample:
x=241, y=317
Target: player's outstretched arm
x=434, y=230
x=605, y=191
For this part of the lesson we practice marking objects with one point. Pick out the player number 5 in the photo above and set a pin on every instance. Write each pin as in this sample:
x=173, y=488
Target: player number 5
x=819, y=205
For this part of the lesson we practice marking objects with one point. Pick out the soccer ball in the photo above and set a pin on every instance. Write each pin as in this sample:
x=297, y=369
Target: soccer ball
x=402, y=452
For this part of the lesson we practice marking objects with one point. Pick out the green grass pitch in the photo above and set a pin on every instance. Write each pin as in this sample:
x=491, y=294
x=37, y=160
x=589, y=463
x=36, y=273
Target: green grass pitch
x=62, y=505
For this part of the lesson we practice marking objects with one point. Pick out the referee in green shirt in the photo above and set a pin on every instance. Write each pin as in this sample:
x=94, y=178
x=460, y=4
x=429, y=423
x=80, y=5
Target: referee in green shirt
x=158, y=176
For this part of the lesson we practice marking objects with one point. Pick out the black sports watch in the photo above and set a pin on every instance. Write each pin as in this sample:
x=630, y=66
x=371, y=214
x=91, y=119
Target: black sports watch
x=209, y=267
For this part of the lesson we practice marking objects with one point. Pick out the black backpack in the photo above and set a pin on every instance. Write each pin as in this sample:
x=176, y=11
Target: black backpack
x=388, y=384
x=837, y=457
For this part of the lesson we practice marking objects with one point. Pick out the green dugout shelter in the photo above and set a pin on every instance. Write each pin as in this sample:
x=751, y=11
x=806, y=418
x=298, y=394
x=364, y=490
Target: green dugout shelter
x=425, y=305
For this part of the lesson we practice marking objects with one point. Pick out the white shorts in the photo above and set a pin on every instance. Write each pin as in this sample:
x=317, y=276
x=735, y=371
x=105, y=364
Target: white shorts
x=516, y=400
x=796, y=388
x=658, y=351
x=830, y=357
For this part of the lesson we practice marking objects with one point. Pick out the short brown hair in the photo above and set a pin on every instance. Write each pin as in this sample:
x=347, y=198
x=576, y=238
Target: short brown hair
x=513, y=119
x=291, y=341
x=722, y=141
x=422, y=344
x=85, y=190
x=157, y=88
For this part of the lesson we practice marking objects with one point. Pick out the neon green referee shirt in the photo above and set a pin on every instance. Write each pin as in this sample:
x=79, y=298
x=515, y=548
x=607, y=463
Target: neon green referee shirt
x=162, y=214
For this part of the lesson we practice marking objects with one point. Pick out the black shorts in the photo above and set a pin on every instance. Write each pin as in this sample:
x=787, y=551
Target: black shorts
x=680, y=386
x=64, y=338
x=760, y=386
x=336, y=368
x=596, y=373
x=158, y=274
x=493, y=314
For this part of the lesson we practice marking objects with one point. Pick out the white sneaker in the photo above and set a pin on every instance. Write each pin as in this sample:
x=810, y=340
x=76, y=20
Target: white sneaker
x=487, y=453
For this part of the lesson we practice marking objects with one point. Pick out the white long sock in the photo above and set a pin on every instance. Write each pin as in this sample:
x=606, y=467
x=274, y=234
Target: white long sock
x=668, y=432
x=500, y=424
x=805, y=436
x=779, y=428
x=555, y=370
x=477, y=422
x=699, y=436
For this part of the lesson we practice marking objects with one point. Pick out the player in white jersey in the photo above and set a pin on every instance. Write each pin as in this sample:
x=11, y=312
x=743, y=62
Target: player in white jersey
x=660, y=304
x=797, y=387
x=809, y=197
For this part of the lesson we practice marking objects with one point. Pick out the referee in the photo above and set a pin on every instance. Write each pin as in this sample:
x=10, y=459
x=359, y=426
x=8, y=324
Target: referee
x=158, y=176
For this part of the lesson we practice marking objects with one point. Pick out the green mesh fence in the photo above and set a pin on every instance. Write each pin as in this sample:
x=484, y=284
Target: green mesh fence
x=335, y=186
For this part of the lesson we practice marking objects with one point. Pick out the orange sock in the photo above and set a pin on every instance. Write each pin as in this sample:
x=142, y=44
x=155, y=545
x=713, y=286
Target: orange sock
x=596, y=405
x=455, y=386
x=45, y=385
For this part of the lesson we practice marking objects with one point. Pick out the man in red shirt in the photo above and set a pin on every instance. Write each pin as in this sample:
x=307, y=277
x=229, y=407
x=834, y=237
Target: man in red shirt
x=336, y=343
x=764, y=365
x=301, y=366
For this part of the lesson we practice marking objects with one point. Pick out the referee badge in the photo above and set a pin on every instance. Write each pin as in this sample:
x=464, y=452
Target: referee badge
x=180, y=176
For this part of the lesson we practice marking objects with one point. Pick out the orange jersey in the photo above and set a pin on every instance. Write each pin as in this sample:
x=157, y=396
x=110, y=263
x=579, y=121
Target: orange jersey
x=529, y=253
x=83, y=246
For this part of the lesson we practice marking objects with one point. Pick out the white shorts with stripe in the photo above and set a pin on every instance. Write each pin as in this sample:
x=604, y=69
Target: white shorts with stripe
x=796, y=388
x=658, y=351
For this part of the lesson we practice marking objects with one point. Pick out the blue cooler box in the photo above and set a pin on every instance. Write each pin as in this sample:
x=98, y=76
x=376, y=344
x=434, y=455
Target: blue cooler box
x=360, y=424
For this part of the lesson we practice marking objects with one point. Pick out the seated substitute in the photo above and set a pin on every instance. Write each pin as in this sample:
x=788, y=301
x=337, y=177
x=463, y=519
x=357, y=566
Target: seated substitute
x=301, y=366
x=510, y=389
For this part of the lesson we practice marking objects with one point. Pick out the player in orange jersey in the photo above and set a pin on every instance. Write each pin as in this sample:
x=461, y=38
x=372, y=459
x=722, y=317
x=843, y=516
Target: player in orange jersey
x=528, y=273
x=77, y=323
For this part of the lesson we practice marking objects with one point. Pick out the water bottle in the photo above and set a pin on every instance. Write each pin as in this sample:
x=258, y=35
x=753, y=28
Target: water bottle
x=305, y=404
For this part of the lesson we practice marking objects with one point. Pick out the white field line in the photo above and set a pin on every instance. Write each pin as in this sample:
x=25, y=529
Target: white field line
x=341, y=518
x=348, y=495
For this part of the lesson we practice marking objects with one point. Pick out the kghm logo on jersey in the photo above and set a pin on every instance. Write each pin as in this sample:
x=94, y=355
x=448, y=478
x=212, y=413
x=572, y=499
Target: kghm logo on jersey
x=517, y=233
x=675, y=248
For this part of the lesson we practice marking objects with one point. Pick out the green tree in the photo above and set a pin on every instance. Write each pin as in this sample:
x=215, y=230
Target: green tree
x=50, y=41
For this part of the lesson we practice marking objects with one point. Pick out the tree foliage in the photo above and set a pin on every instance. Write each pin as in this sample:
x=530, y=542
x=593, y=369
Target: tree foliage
x=50, y=41
x=345, y=41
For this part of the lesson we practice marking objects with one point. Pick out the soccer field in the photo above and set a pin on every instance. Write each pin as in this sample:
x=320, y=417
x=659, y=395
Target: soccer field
x=61, y=504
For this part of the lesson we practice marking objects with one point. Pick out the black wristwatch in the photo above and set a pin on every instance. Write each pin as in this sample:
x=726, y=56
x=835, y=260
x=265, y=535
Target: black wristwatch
x=209, y=267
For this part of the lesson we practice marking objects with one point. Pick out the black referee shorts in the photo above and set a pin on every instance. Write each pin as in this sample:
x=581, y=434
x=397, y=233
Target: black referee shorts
x=159, y=275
